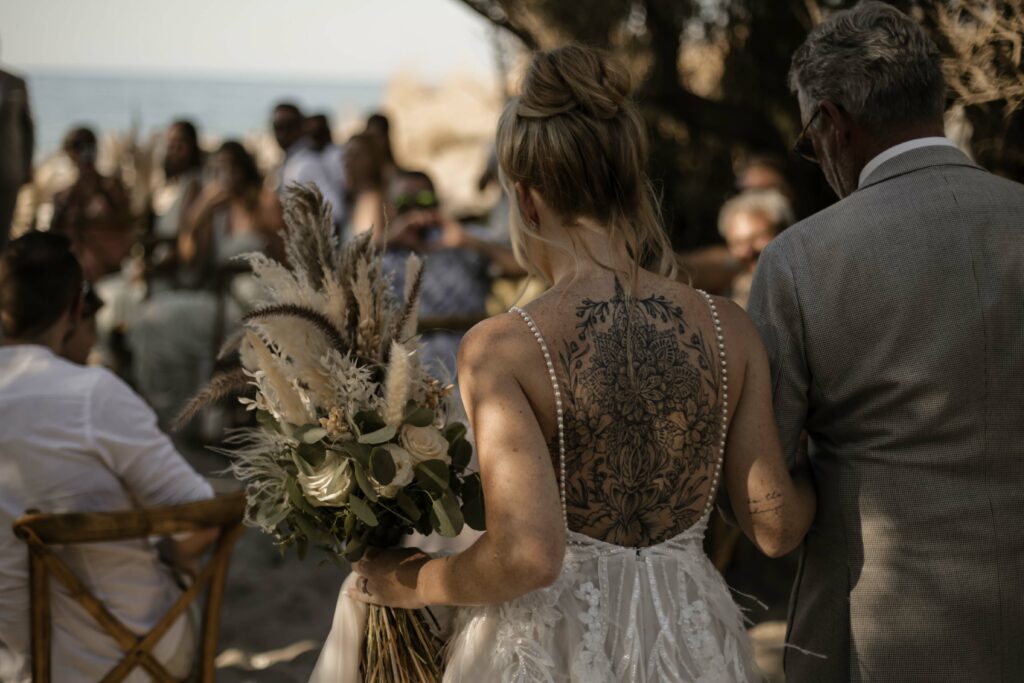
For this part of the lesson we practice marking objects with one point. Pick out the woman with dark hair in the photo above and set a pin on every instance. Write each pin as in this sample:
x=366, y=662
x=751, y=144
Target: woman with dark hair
x=94, y=212
x=183, y=169
x=233, y=215
x=175, y=337
x=364, y=173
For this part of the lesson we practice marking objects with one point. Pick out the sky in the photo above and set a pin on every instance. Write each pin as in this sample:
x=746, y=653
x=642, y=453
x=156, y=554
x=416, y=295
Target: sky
x=332, y=39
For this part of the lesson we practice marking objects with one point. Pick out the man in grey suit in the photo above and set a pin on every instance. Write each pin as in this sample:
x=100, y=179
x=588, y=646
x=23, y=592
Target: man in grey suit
x=894, y=322
x=17, y=142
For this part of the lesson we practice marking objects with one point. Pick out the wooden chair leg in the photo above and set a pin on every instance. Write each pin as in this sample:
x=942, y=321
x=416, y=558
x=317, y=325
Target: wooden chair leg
x=40, y=592
x=211, y=614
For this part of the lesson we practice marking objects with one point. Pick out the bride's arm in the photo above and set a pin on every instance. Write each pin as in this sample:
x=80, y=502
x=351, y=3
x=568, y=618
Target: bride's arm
x=524, y=544
x=774, y=507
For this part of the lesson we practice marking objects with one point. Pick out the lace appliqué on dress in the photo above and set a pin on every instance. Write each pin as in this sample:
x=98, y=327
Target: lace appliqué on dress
x=591, y=662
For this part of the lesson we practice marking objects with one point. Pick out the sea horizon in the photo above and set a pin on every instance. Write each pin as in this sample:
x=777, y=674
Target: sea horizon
x=221, y=104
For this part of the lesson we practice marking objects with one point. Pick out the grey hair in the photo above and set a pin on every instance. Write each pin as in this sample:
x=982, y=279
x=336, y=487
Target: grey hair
x=876, y=63
x=771, y=204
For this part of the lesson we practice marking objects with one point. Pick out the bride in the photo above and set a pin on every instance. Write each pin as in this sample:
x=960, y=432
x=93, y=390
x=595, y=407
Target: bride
x=606, y=414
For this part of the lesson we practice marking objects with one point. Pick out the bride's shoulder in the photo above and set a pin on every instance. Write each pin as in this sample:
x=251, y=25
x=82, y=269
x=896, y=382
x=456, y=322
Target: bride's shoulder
x=494, y=342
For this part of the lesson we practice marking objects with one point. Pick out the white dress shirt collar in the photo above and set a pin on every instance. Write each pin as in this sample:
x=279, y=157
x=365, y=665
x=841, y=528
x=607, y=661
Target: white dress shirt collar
x=897, y=150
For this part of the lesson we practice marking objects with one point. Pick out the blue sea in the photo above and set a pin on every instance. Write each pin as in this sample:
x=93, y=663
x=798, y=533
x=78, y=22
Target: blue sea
x=220, y=106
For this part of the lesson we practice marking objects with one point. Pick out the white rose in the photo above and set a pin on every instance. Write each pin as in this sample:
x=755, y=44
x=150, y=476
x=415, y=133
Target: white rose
x=329, y=484
x=425, y=443
x=404, y=464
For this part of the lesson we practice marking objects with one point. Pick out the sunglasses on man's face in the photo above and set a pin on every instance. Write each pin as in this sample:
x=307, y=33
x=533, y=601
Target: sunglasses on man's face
x=421, y=200
x=804, y=146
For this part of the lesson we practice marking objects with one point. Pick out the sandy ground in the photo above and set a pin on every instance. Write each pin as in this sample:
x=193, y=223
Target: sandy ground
x=277, y=610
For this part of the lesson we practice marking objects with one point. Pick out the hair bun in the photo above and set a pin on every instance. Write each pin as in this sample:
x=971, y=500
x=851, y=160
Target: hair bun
x=573, y=77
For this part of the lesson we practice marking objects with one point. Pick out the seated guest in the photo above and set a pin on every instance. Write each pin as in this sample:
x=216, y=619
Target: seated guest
x=365, y=186
x=286, y=122
x=764, y=172
x=233, y=214
x=94, y=212
x=183, y=180
x=319, y=163
x=176, y=335
x=378, y=128
x=458, y=265
x=748, y=222
x=77, y=439
x=127, y=290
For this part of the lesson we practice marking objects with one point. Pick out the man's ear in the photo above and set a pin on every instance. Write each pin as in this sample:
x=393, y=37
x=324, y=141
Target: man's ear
x=527, y=207
x=842, y=125
x=75, y=312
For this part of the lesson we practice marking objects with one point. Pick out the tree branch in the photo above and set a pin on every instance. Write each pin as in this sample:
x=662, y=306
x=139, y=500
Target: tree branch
x=494, y=13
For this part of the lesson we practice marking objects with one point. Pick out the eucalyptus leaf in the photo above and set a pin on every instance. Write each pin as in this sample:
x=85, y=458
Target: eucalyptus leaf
x=369, y=420
x=382, y=466
x=310, y=434
x=433, y=476
x=454, y=431
x=454, y=512
x=313, y=454
x=364, y=482
x=425, y=524
x=273, y=519
x=461, y=453
x=297, y=499
x=357, y=451
x=445, y=524
x=408, y=506
x=420, y=417
x=382, y=435
x=473, y=502
x=266, y=420
x=350, y=524
x=362, y=511
x=354, y=549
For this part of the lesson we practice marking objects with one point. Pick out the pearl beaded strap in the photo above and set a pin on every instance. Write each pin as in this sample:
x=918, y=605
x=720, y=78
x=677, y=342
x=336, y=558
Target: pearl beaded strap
x=725, y=400
x=558, y=406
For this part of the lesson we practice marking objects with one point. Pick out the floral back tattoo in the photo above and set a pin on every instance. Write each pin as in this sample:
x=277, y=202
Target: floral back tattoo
x=640, y=420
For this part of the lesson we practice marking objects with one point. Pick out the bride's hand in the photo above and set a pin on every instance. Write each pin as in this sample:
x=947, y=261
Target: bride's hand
x=388, y=577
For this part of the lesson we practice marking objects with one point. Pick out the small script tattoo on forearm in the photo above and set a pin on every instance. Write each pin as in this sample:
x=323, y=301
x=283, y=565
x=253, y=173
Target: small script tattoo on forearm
x=770, y=503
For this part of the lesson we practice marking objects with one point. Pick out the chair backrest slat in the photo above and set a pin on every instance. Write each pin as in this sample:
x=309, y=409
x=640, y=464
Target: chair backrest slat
x=42, y=530
x=90, y=527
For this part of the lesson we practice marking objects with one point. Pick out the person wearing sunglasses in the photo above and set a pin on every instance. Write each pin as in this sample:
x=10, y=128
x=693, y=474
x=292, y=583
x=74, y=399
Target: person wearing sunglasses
x=893, y=324
x=459, y=263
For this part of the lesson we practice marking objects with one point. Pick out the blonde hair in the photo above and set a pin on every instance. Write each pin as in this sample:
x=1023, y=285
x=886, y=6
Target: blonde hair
x=574, y=136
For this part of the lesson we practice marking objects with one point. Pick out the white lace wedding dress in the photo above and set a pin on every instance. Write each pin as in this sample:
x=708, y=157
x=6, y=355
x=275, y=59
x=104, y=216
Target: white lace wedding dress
x=661, y=613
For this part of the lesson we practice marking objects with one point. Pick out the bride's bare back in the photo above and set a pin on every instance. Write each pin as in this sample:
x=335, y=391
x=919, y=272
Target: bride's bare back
x=642, y=382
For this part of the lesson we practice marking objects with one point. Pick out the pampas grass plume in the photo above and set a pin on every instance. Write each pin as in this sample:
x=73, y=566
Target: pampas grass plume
x=396, y=386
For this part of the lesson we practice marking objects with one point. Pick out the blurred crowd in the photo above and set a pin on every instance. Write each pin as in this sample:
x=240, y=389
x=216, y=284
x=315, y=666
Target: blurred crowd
x=160, y=253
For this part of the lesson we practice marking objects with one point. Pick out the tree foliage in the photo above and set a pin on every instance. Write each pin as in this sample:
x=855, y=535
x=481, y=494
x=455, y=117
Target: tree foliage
x=712, y=78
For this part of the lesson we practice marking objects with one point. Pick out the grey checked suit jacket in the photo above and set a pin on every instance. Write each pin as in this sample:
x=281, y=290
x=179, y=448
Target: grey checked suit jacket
x=894, y=322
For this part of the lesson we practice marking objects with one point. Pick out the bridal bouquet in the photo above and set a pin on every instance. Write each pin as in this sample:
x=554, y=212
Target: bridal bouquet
x=353, y=448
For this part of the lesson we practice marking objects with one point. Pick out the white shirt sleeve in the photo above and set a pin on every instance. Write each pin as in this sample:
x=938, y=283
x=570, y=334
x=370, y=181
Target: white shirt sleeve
x=124, y=433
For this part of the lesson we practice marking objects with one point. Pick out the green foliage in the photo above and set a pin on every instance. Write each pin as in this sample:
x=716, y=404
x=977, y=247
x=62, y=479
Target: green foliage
x=382, y=466
x=418, y=416
x=382, y=435
x=362, y=511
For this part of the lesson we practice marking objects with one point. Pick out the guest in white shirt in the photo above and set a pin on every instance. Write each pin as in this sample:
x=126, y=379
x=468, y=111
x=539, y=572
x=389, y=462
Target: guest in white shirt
x=77, y=439
x=286, y=123
x=319, y=162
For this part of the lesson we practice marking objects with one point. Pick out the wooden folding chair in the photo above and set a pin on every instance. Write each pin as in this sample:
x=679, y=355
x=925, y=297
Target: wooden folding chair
x=40, y=531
